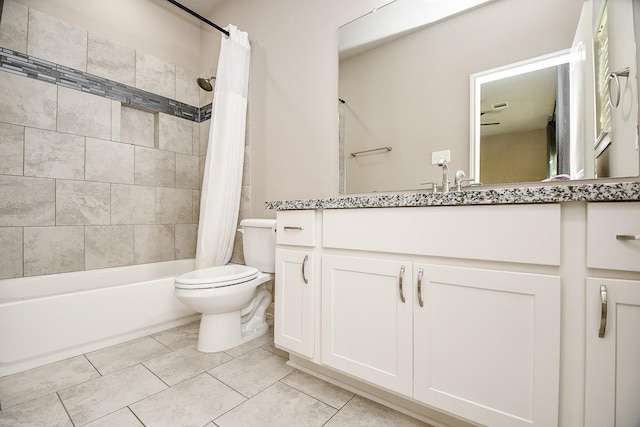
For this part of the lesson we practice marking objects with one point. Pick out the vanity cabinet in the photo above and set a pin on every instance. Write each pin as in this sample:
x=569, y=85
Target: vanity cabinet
x=405, y=307
x=367, y=318
x=296, y=282
x=613, y=316
x=487, y=343
x=613, y=353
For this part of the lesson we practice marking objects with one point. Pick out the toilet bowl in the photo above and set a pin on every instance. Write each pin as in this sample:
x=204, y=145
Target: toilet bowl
x=233, y=298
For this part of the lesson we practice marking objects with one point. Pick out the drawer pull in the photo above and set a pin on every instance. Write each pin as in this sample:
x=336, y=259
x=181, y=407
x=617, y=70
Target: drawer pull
x=627, y=237
x=420, y=272
x=304, y=265
x=603, y=311
x=287, y=227
x=400, y=283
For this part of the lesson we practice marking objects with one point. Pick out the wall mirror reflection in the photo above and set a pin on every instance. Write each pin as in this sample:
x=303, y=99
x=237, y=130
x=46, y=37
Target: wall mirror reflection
x=410, y=91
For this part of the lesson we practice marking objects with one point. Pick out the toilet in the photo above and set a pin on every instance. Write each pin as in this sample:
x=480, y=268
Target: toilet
x=233, y=298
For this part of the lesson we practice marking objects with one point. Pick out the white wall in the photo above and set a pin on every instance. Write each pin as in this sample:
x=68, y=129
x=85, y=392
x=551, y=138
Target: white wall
x=294, y=81
x=294, y=90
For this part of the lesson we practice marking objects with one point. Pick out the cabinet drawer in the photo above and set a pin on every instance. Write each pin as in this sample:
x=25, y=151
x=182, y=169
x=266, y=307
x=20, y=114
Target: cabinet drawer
x=611, y=232
x=512, y=233
x=296, y=228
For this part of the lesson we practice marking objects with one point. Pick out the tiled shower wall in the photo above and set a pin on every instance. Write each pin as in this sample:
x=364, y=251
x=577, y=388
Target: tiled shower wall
x=89, y=181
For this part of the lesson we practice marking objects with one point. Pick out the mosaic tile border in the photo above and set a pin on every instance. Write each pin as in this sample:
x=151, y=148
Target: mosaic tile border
x=39, y=69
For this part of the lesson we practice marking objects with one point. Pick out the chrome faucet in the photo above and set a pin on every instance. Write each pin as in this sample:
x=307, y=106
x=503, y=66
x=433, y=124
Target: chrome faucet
x=460, y=179
x=445, y=175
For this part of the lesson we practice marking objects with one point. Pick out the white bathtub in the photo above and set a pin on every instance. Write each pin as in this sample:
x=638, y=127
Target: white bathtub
x=44, y=319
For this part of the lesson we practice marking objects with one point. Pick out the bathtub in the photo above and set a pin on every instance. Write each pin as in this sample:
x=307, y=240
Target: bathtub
x=44, y=319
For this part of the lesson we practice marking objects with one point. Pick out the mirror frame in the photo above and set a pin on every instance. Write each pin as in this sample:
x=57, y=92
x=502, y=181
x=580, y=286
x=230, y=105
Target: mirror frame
x=478, y=79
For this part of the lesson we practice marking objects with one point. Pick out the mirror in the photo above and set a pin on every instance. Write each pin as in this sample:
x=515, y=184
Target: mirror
x=410, y=92
x=520, y=119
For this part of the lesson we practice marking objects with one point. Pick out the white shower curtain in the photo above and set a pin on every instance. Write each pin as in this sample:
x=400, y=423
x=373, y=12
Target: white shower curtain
x=222, y=181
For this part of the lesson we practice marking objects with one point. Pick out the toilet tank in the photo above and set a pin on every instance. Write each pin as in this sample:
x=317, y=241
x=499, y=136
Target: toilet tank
x=259, y=243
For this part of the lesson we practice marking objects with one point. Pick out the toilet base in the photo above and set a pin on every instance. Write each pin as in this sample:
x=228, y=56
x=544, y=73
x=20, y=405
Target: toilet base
x=220, y=332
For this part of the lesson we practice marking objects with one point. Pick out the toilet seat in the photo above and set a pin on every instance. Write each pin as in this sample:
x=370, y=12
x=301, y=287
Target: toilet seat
x=214, y=277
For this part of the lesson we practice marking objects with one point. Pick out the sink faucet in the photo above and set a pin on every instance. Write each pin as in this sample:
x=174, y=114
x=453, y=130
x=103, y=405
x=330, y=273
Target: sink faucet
x=445, y=175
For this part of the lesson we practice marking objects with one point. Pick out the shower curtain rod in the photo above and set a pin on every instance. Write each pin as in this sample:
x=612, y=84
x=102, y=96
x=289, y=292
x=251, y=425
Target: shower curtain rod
x=200, y=17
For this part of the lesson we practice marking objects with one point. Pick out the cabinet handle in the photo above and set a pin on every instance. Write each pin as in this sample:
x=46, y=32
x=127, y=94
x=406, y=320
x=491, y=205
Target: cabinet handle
x=288, y=227
x=400, y=283
x=304, y=264
x=420, y=272
x=627, y=237
x=603, y=311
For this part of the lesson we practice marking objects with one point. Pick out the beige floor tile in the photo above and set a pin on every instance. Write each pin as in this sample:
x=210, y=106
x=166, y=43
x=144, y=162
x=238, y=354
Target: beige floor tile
x=46, y=411
x=253, y=372
x=185, y=363
x=127, y=354
x=279, y=405
x=97, y=398
x=191, y=403
x=37, y=382
x=273, y=349
x=252, y=345
x=182, y=336
x=315, y=387
x=363, y=412
x=122, y=418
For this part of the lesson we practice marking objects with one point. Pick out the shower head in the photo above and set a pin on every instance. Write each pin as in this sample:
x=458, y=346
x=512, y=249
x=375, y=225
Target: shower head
x=206, y=83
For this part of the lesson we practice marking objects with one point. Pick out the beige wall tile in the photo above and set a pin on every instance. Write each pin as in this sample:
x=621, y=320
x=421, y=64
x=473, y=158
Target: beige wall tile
x=28, y=102
x=186, y=236
x=154, y=243
x=108, y=246
x=187, y=171
x=53, y=155
x=13, y=26
x=173, y=205
x=196, y=206
x=111, y=60
x=137, y=126
x=81, y=113
x=204, y=137
x=82, y=203
x=27, y=201
x=108, y=161
x=195, y=133
x=53, y=39
x=133, y=204
x=155, y=167
x=11, y=149
x=116, y=120
x=155, y=75
x=187, y=89
x=49, y=250
x=175, y=134
x=10, y=252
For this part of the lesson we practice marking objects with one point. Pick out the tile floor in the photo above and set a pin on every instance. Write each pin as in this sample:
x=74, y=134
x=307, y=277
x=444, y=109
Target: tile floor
x=162, y=380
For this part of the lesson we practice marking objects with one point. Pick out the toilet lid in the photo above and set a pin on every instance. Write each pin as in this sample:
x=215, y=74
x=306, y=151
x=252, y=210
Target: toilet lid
x=212, y=277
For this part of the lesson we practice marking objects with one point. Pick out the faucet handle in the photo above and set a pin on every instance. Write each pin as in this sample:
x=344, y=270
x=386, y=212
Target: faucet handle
x=470, y=180
x=434, y=185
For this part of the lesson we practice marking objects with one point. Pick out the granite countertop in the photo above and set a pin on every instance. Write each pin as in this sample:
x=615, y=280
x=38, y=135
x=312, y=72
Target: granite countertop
x=582, y=192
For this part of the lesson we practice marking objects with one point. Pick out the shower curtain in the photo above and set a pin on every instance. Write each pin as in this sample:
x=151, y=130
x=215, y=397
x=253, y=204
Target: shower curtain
x=222, y=180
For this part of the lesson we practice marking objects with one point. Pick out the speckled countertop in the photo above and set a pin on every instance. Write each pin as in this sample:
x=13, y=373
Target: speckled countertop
x=585, y=192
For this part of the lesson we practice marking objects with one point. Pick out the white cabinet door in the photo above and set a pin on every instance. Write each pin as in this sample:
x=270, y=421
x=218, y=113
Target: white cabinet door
x=613, y=353
x=295, y=301
x=367, y=319
x=487, y=345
